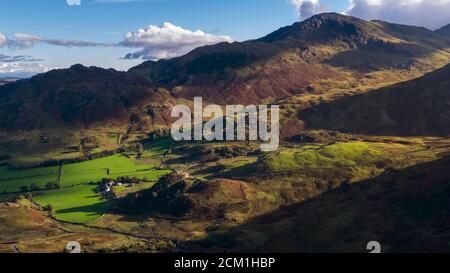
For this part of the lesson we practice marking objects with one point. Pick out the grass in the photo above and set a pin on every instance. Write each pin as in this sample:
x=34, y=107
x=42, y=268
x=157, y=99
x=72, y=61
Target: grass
x=79, y=204
x=78, y=173
x=76, y=201
x=157, y=147
x=330, y=156
x=118, y=165
x=11, y=179
x=122, y=191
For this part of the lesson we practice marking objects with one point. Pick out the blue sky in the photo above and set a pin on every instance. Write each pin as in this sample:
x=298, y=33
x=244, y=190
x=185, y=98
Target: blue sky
x=55, y=33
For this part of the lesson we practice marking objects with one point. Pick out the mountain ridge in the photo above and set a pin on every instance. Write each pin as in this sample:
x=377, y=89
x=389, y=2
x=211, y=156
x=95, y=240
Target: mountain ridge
x=444, y=31
x=282, y=64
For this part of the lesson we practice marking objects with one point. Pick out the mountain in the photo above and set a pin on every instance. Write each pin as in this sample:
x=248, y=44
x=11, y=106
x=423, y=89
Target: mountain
x=406, y=210
x=295, y=57
x=77, y=97
x=329, y=28
x=444, y=31
x=416, y=107
x=327, y=49
x=4, y=81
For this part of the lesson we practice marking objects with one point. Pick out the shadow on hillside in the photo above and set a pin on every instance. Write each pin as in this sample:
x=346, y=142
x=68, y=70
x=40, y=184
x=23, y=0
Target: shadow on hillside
x=95, y=209
x=413, y=108
x=381, y=55
x=406, y=211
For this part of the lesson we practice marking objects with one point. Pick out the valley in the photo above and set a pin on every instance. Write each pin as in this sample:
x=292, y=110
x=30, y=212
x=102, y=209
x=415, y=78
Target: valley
x=363, y=156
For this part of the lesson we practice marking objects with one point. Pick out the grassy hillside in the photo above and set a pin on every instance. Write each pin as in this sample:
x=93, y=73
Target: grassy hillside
x=416, y=107
x=318, y=156
x=405, y=210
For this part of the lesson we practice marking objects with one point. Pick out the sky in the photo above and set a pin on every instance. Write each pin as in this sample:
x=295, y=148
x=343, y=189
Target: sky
x=40, y=35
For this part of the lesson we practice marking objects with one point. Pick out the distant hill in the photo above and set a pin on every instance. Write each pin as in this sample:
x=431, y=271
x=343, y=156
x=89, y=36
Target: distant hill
x=444, y=31
x=7, y=80
x=417, y=107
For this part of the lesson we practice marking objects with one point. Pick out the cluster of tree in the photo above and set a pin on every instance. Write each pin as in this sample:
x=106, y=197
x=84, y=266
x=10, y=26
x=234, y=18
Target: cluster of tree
x=83, y=158
x=206, y=154
x=158, y=198
x=4, y=157
x=138, y=148
x=122, y=180
x=35, y=187
x=27, y=195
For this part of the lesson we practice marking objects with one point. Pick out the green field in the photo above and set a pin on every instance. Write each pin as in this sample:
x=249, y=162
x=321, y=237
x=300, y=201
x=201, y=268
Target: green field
x=79, y=204
x=78, y=173
x=11, y=180
x=118, y=165
x=77, y=201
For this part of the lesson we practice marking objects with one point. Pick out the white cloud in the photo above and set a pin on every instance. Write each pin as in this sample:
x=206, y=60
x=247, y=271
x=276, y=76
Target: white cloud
x=167, y=41
x=429, y=13
x=21, y=64
x=73, y=2
x=25, y=68
x=19, y=58
x=3, y=39
x=153, y=42
x=27, y=40
x=307, y=8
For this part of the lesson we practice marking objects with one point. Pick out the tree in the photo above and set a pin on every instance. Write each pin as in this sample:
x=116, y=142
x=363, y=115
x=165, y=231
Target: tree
x=138, y=148
x=49, y=208
x=52, y=186
x=34, y=187
x=24, y=188
x=29, y=195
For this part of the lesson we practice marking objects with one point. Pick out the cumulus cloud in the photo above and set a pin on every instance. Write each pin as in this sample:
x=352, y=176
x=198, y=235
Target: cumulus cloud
x=73, y=2
x=307, y=8
x=153, y=42
x=167, y=41
x=429, y=13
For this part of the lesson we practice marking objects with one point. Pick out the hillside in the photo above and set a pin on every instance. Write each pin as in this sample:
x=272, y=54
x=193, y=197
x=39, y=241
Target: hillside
x=332, y=48
x=294, y=57
x=407, y=210
x=4, y=81
x=444, y=31
x=417, y=107
x=76, y=97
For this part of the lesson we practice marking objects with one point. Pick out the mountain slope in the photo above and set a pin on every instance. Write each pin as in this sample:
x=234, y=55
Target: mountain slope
x=444, y=31
x=296, y=56
x=74, y=97
x=279, y=65
x=406, y=210
x=417, y=107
